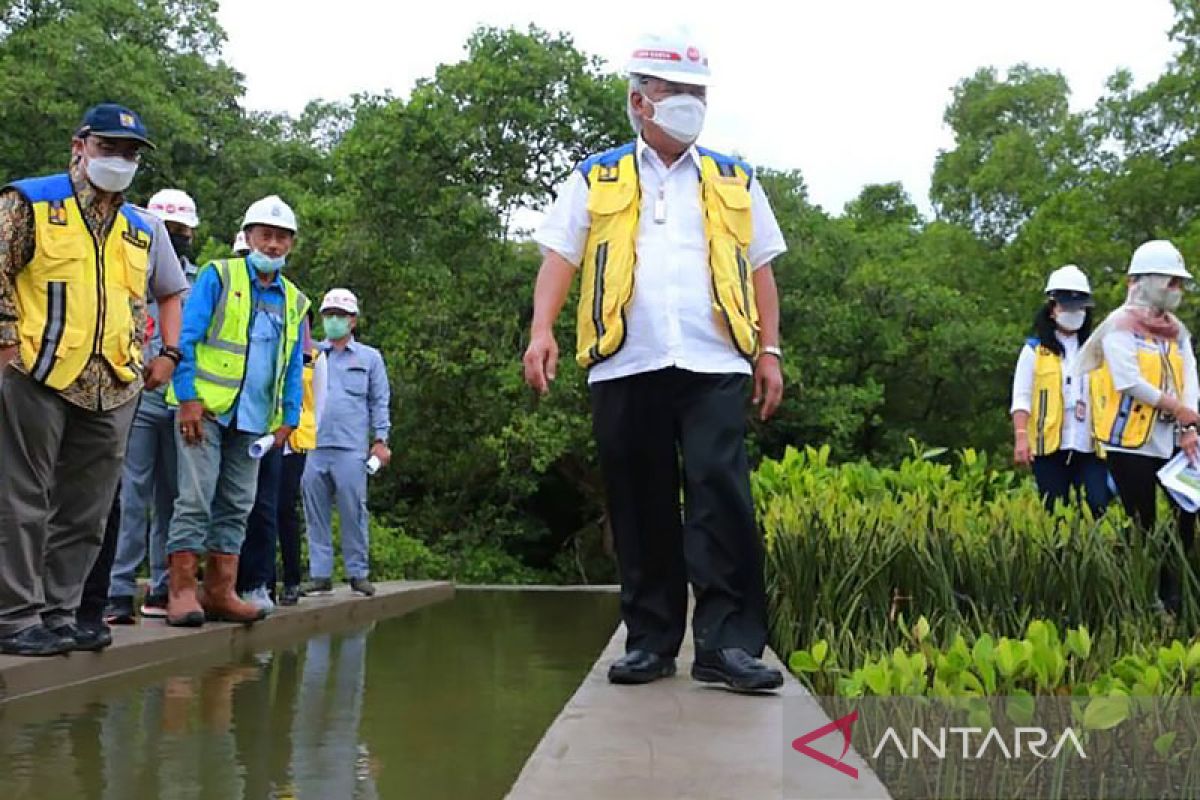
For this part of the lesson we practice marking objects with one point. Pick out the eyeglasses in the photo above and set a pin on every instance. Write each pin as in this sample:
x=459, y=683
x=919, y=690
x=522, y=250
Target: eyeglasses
x=107, y=147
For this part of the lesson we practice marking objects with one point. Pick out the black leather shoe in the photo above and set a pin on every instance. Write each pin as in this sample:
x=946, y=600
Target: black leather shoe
x=737, y=669
x=90, y=636
x=36, y=640
x=640, y=666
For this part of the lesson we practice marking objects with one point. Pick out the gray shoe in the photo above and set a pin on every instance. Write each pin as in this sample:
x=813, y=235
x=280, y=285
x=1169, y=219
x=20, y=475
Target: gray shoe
x=316, y=587
x=362, y=586
x=260, y=598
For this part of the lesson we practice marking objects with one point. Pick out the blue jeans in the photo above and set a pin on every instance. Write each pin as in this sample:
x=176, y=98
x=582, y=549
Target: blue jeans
x=217, y=482
x=336, y=476
x=149, y=483
x=257, y=566
x=1058, y=473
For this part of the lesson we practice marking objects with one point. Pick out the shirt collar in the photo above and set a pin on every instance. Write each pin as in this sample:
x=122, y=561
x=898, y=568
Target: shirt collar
x=327, y=345
x=645, y=151
x=276, y=282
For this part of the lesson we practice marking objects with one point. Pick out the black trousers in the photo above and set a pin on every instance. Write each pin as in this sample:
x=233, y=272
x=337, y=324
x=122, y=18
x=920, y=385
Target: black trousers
x=657, y=433
x=289, y=516
x=1137, y=484
x=256, y=567
x=95, y=587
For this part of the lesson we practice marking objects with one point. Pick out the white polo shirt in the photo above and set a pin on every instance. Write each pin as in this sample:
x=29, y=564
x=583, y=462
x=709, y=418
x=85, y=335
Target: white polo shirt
x=670, y=321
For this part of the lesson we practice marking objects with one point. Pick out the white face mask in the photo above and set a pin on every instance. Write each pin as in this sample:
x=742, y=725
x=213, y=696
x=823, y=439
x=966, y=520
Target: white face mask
x=1156, y=291
x=681, y=116
x=111, y=173
x=1070, y=320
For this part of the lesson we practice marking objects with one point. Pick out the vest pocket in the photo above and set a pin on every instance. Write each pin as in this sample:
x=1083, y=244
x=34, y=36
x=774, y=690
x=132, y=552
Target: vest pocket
x=734, y=201
x=51, y=340
x=136, y=266
x=63, y=259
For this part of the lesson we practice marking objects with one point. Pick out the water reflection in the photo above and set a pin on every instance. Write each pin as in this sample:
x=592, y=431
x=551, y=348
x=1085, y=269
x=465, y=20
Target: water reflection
x=446, y=702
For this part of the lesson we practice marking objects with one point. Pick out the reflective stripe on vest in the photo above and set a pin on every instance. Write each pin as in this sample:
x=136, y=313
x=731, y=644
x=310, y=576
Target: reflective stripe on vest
x=1119, y=420
x=609, y=257
x=80, y=296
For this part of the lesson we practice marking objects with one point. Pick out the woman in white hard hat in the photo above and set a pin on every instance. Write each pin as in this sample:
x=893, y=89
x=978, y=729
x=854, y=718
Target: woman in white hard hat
x=1145, y=394
x=1051, y=418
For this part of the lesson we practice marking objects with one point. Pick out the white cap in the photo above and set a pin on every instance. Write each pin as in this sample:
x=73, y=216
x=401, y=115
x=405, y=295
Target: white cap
x=340, y=299
x=672, y=57
x=240, y=245
x=271, y=211
x=1068, y=279
x=174, y=205
x=1158, y=257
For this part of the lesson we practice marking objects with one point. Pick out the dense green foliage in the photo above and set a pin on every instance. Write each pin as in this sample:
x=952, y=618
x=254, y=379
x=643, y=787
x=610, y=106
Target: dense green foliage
x=896, y=325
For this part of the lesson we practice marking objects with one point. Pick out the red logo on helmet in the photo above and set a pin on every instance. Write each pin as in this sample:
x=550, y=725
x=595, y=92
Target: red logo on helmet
x=693, y=54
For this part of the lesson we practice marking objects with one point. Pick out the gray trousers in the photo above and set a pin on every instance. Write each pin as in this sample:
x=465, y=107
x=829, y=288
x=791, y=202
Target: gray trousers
x=59, y=469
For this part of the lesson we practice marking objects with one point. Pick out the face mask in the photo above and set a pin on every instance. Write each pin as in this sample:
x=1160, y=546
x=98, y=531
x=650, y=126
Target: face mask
x=1070, y=320
x=111, y=173
x=264, y=264
x=336, y=327
x=1156, y=291
x=681, y=116
x=182, y=245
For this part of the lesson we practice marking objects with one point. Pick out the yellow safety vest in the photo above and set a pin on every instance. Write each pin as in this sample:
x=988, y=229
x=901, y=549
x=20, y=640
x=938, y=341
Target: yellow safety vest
x=610, y=259
x=77, y=297
x=304, y=438
x=221, y=355
x=1046, y=416
x=1118, y=420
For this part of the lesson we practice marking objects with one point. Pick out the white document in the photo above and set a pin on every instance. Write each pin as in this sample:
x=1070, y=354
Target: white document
x=1182, y=480
x=262, y=446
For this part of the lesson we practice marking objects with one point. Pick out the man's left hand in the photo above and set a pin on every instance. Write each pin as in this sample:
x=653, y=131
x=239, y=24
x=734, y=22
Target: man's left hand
x=159, y=372
x=768, y=385
x=1190, y=442
x=381, y=451
x=282, y=433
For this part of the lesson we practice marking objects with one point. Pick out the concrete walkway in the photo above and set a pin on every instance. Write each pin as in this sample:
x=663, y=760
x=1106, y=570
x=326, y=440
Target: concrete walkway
x=153, y=642
x=676, y=739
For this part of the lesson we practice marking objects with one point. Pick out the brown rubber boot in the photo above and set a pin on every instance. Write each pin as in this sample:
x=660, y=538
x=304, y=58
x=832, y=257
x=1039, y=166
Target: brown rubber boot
x=183, y=609
x=219, y=599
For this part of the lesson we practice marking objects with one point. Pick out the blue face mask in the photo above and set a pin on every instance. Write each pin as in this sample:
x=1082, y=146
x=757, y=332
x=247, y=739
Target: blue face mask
x=264, y=264
x=336, y=327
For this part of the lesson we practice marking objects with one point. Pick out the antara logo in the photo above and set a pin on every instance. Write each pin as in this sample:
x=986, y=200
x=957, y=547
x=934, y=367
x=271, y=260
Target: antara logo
x=1034, y=740
x=800, y=745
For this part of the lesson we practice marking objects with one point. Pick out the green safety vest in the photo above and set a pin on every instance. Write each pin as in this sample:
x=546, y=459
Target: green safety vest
x=221, y=355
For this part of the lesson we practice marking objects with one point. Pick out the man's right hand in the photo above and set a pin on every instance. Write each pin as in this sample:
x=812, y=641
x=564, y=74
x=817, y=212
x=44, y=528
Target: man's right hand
x=541, y=361
x=191, y=421
x=1022, y=456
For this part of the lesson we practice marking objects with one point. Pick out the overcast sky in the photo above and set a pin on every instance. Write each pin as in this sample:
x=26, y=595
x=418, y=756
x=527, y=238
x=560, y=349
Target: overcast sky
x=849, y=92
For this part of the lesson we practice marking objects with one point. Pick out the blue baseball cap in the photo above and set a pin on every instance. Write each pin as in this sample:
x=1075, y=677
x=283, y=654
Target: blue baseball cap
x=114, y=122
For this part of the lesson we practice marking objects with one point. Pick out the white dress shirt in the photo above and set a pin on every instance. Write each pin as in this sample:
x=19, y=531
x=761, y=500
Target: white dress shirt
x=670, y=321
x=1076, y=433
x=1120, y=353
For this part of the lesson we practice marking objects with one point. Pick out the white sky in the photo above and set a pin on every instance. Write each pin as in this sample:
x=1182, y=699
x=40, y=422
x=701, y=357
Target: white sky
x=848, y=91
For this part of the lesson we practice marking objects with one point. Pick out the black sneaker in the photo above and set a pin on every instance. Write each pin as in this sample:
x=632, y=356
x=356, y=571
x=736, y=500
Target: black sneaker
x=317, y=587
x=120, y=610
x=154, y=605
x=90, y=636
x=36, y=640
x=362, y=586
x=290, y=596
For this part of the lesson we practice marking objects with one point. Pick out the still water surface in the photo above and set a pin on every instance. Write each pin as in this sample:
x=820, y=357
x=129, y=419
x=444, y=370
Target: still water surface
x=446, y=702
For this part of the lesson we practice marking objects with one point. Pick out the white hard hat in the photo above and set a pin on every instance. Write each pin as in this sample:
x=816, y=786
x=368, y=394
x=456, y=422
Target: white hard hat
x=340, y=299
x=174, y=205
x=240, y=245
x=1158, y=257
x=271, y=211
x=1068, y=279
x=672, y=57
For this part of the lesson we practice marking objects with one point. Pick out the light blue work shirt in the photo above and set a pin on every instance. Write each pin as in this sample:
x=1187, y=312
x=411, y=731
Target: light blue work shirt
x=355, y=409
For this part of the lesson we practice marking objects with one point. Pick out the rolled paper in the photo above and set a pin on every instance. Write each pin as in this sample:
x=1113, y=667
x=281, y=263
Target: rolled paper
x=262, y=446
x=373, y=465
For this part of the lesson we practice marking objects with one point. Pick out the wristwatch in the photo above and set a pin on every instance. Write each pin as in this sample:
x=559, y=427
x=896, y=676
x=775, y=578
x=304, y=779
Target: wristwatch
x=772, y=350
x=173, y=353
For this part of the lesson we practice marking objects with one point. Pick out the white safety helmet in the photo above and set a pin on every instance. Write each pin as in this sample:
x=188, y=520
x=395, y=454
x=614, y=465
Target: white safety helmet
x=240, y=246
x=672, y=57
x=1070, y=279
x=271, y=211
x=174, y=205
x=340, y=299
x=1158, y=257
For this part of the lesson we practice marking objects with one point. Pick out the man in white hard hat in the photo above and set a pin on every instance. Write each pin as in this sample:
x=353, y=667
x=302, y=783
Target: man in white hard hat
x=148, y=477
x=240, y=379
x=352, y=427
x=671, y=357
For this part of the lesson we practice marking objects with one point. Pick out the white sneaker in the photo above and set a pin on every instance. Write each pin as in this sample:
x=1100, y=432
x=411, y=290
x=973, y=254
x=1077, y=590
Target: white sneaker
x=260, y=598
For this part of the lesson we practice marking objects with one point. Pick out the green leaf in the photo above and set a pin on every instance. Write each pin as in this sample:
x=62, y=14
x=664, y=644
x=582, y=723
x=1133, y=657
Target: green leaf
x=920, y=631
x=819, y=652
x=1105, y=713
x=1079, y=642
x=1163, y=744
x=1192, y=660
x=1020, y=708
x=802, y=661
